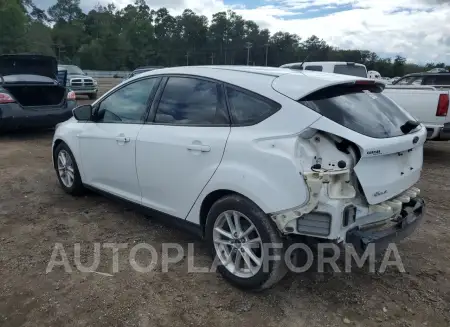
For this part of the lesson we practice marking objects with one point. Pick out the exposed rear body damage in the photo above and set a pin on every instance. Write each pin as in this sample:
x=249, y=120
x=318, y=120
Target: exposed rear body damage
x=360, y=161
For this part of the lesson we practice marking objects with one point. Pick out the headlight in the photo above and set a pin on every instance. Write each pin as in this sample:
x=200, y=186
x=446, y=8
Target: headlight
x=95, y=82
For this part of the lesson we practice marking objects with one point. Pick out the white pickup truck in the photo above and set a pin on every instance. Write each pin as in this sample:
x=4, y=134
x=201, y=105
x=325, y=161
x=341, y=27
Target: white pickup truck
x=427, y=104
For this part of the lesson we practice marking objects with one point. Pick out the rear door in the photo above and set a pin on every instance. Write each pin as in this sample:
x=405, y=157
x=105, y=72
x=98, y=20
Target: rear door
x=181, y=146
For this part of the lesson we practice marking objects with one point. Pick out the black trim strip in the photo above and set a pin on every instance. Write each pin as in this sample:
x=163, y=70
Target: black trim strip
x=162, y=217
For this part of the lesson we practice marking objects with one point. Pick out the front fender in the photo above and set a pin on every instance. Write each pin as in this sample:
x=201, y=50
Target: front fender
x=67, y=132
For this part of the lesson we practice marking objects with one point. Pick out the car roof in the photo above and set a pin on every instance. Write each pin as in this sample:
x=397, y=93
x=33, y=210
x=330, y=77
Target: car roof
x=292, y=83
x=321, y=63
x=427, y=74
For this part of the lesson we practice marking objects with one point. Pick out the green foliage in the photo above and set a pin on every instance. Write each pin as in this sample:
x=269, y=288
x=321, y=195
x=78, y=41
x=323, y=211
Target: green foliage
x=110, y=39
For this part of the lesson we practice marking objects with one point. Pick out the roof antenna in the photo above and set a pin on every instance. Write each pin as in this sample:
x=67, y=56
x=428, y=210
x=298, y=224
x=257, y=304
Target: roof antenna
x=304, y=60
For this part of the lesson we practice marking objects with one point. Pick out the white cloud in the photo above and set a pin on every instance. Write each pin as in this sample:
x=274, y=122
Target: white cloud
x=416, y=29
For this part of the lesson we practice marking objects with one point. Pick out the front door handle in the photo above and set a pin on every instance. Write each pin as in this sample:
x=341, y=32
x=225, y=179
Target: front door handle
x=199, y=147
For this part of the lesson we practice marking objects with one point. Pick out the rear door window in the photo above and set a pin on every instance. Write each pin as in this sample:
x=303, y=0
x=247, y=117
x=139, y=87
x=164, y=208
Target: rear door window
x=352, y=70
x=361, y=108
x=192, y=101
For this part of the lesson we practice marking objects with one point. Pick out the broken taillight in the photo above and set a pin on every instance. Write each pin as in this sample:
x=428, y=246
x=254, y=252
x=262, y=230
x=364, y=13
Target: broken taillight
x=442, y=107
x=6, y=98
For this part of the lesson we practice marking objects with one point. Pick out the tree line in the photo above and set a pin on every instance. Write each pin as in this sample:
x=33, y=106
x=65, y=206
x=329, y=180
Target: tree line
x=108, y=38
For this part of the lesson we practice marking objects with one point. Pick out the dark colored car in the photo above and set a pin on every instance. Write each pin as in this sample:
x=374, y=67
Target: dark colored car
x=33, y=92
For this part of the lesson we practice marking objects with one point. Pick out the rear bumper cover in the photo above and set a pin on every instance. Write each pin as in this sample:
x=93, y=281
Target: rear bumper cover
x=411, y=216
x=81, y=92
x=433, y=131
x=12, y=116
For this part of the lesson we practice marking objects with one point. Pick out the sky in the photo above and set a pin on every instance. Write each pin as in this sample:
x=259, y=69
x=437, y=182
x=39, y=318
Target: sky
x=416, y=29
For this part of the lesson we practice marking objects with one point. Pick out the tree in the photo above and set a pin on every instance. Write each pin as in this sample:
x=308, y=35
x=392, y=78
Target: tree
x=13, y=23
x=108, y=38
x=65, y=10
x=398, y=68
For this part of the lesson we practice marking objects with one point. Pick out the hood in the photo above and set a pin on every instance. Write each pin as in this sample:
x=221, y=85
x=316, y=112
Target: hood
x=28, y=64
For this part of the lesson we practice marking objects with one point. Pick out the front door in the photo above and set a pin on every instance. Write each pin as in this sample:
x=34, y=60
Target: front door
x=108, y=144
x=179, y=150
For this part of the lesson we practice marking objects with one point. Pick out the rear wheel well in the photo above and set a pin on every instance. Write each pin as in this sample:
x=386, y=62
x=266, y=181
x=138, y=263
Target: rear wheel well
x=208, y=202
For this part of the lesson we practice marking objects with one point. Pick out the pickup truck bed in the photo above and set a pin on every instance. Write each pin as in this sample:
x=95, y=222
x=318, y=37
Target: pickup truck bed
x=427, y=104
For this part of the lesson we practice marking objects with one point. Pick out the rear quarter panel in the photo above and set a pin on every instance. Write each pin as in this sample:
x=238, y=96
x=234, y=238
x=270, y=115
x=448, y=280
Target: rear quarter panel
x=260, y=161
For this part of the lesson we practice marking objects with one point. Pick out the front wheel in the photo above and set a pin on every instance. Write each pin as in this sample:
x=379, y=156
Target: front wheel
x=245, y=244
x=92, y=96
x=67, y=170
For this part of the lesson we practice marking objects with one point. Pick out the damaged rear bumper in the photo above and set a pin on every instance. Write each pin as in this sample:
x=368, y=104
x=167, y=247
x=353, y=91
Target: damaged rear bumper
x=410, y=217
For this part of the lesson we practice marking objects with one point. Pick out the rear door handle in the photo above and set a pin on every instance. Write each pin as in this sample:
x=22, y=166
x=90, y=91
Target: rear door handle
x=199, y=147
x=122, y=139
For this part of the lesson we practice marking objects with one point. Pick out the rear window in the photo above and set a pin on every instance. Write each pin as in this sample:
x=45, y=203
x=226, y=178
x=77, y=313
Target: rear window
x=352, y=70
x=361, y=108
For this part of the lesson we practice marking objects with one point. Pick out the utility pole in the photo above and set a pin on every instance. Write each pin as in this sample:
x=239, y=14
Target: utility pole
x=248, y=45
x=187, y=58
x=212, y=58
x=267, y=51
x=59, y=52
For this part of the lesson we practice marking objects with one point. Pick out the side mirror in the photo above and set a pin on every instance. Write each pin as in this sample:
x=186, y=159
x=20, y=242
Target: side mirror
x=83, y=112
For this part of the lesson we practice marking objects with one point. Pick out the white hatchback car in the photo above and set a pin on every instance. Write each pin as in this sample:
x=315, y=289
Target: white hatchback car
x=250, y=156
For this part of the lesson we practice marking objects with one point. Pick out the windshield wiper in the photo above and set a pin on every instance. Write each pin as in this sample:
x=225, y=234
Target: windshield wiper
x=409, y=126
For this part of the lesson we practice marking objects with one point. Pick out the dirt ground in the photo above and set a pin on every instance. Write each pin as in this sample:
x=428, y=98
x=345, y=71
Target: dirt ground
x=35, y=214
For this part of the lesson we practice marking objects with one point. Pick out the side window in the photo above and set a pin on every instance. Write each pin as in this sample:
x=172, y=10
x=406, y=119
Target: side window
x=437, y=80
x=314, y=68
x=191, y=101
x=412, y=80
x=128, y=104
x=247, y=109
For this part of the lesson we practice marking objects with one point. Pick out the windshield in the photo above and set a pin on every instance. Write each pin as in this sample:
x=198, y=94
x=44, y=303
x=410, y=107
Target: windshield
x=72, y=70
x=361, y=108
x=352, y=70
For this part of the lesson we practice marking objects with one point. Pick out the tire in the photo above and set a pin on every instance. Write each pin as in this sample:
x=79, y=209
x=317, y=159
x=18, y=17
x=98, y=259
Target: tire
x=92, y=96
x=76, y=188
x=271, y=271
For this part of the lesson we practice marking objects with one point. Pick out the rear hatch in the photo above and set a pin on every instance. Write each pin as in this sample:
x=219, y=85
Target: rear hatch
x=389, y=139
